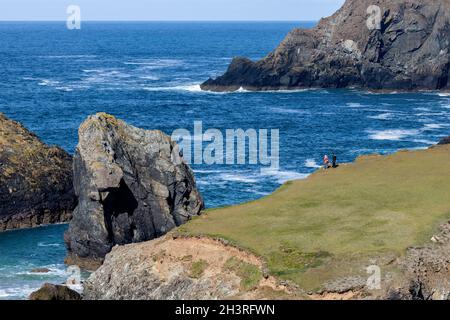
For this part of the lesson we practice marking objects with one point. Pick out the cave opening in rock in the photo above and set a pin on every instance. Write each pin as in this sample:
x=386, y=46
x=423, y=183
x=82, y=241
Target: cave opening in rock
x=118, y=208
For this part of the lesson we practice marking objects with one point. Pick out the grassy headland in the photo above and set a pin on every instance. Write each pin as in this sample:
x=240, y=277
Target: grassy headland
x=337, y=222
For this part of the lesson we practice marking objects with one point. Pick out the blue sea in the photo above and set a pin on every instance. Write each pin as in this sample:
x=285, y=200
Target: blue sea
x=148, y=74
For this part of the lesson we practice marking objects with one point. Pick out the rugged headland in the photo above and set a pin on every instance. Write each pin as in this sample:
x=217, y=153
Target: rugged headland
x=35, y=179
x=381, y=232
x=370, y=44
x=132, y=186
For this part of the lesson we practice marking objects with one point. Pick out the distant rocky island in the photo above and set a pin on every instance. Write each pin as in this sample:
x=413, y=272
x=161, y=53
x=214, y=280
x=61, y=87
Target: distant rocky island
x=369, y=44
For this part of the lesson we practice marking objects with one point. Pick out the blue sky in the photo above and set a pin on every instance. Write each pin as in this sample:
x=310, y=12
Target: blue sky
x=170, y=9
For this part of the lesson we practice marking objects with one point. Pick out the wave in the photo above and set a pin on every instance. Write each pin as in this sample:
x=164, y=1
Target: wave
x=432, y=126
x=444, y=94
x=296, y=111
x=382, y=116
x=354, y=105
x=284, y=176
x=424, y=141
x=48, y=82
x=237, y=178
x=392, y=134
x=311, y=163
x=17, y=292
x=43, y=244
x=189, y=88
x=155, y=63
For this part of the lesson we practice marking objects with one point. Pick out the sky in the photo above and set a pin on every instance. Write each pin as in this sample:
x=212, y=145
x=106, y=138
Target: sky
x=292, y=10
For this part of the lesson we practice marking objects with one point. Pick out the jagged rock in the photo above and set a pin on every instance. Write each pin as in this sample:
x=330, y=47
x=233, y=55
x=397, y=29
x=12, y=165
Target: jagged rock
x=181, y=269
x=35, y=179
x=132, y=186
x=408, y=48
x=40, y=270
x=444, y=141
x=54, y=292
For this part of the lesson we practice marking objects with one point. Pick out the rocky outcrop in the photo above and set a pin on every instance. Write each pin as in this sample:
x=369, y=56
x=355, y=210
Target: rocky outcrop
x=54, y=292
x=444, y=141
x=374, y=44
x=132, y=186
x=35, y=179
x=426, y=269
x=172, y=268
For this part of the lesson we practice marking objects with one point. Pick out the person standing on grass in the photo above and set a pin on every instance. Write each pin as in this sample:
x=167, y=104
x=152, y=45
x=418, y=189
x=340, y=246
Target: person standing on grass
x=334, y=161
x=326, y=162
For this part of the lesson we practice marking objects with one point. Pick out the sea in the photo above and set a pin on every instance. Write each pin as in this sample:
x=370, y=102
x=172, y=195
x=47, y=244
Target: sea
x=148, y=74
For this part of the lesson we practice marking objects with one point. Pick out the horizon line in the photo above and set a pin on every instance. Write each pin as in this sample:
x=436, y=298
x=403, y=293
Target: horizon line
x=181, y=20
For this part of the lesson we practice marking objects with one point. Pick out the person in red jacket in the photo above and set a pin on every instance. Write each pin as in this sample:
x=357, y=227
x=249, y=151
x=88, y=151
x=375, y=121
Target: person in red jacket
x=326, y=162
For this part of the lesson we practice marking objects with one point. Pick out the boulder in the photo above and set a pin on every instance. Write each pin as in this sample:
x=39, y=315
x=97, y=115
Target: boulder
x=36, y=180
x=376, y=45
x=132, y=186
x=54, y=292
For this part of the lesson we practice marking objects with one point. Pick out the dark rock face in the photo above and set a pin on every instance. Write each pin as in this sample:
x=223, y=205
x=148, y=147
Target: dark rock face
x=407, y=48
x=54, y=292
x=131, y=188
x=444, y=141
x=35, y=180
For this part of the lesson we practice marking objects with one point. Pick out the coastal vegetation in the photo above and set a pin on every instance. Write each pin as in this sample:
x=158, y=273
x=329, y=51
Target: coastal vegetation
x=337, y=222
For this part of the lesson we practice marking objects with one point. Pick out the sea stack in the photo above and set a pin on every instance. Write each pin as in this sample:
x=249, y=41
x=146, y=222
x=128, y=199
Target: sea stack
x=35, y=179
x=132, y=186
x=369, y=44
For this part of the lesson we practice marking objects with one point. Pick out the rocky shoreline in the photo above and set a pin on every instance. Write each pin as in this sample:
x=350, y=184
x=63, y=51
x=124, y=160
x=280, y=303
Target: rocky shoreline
x=374, y=45
x=133, y=188
x=36, y=180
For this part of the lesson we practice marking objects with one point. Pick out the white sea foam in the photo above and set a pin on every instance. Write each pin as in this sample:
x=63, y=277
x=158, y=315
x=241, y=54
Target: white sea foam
x=43, y=244
x=392, y=135
x=424, y=141
x=382, y=116
x=287, y=110
x=48, y=82
x=311, y=163
x=432, y=126
x=284, y=176
x=189, y=88
x=354, y=105
x=155, y=63
x=17, y=292
x=444, y=94
x=238, y=178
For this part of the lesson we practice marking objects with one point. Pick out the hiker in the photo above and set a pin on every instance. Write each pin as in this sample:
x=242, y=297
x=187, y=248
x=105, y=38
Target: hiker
x=326, y=162
x=335, y=165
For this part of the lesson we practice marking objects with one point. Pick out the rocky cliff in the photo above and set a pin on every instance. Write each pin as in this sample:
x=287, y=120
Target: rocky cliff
x=373, y=44
x=172, y=268
x=35, y=179
x=132, y=186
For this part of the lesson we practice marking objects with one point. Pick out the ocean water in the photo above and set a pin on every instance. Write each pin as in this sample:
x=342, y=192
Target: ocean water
x=148, y=74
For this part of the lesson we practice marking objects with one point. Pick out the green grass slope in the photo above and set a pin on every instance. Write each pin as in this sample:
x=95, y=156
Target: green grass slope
x=337, y=222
